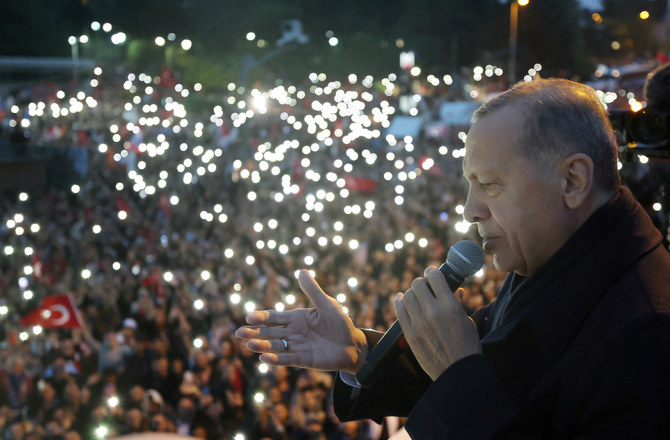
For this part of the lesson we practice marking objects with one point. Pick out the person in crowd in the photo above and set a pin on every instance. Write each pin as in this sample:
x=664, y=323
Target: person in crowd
x=15, y=384
x=585, y=304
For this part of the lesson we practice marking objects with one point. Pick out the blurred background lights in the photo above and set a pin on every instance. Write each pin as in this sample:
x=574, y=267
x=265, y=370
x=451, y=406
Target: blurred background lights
x=462, y=226
x=101, y=431
x=113, y=402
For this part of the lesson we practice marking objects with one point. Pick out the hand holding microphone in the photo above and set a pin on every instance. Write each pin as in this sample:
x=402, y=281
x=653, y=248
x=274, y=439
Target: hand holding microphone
x=434, y=323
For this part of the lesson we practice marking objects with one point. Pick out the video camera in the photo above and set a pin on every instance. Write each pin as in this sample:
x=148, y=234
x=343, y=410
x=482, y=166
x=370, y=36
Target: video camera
x=646, y=131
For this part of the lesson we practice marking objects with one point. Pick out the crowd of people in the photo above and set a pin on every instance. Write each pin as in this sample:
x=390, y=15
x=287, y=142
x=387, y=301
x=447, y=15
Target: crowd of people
x=164, y=251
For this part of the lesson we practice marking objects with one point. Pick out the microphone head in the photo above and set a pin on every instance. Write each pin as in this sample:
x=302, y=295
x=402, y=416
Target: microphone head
x=465, y=258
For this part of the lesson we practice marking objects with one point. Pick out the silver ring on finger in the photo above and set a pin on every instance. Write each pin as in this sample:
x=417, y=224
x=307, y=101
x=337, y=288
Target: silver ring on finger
x=285, y=342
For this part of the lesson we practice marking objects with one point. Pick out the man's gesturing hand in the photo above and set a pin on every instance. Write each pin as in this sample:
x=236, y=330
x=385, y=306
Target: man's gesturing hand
x=436, y=327
x=323, y=337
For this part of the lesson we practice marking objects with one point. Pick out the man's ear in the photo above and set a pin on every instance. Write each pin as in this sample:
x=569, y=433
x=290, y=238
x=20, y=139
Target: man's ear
x=578, y=179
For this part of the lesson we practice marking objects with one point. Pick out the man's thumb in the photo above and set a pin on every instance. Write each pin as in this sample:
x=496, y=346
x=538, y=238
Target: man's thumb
x=313, y=290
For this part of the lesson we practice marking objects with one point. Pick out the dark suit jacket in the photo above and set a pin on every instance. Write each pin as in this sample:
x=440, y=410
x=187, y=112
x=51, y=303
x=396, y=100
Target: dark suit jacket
x=582, y=351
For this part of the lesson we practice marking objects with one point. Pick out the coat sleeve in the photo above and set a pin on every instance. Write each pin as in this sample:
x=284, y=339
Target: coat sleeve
x=466, y=401
x=395, y=392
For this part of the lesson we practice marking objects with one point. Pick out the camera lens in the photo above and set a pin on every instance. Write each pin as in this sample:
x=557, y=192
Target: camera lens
x=649, y=126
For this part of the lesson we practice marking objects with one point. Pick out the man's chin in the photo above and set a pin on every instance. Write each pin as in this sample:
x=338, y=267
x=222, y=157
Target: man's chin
x=500, y=264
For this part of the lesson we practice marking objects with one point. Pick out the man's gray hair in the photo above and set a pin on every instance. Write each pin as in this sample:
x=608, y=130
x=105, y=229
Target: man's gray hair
x=560, y=118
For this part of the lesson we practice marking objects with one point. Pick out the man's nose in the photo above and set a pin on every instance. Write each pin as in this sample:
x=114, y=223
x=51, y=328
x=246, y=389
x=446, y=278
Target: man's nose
x=475, y=210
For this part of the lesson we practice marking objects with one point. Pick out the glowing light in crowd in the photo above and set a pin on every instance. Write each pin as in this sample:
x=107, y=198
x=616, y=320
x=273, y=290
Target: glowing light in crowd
x=101, y=431
x=113, y=402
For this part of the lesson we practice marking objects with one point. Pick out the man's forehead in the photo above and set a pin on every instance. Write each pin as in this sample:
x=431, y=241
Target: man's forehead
x=488, y=139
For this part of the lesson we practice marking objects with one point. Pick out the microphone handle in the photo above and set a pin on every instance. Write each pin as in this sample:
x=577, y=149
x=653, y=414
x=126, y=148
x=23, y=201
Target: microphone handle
x=389, y=347
x=393, y=343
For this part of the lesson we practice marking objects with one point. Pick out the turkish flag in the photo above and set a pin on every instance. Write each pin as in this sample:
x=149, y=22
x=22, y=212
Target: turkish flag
x=55, y=312
x=37, y=267
x=360, y=184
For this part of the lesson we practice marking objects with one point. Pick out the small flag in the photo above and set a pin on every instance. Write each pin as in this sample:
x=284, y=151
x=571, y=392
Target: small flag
x=360, y=184
x=57, y=311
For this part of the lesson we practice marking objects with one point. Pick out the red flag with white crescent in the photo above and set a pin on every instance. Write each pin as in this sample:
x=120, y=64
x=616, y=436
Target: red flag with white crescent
x=57, y=311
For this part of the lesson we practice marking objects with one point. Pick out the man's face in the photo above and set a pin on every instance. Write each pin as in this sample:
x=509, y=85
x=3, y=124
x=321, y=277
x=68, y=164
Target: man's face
x=516, y=203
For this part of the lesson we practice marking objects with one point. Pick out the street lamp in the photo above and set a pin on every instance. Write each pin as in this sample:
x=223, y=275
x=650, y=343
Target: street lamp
x=74, y=46
x=513, y=24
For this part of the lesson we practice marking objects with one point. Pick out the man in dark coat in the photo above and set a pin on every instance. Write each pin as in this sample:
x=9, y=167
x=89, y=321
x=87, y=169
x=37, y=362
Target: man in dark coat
x=577, y=345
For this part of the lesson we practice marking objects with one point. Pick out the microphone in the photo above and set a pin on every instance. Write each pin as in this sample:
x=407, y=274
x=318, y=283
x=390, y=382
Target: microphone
x=463, y=259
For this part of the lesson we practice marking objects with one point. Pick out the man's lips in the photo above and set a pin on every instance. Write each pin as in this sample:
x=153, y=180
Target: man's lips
x=487, y=243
